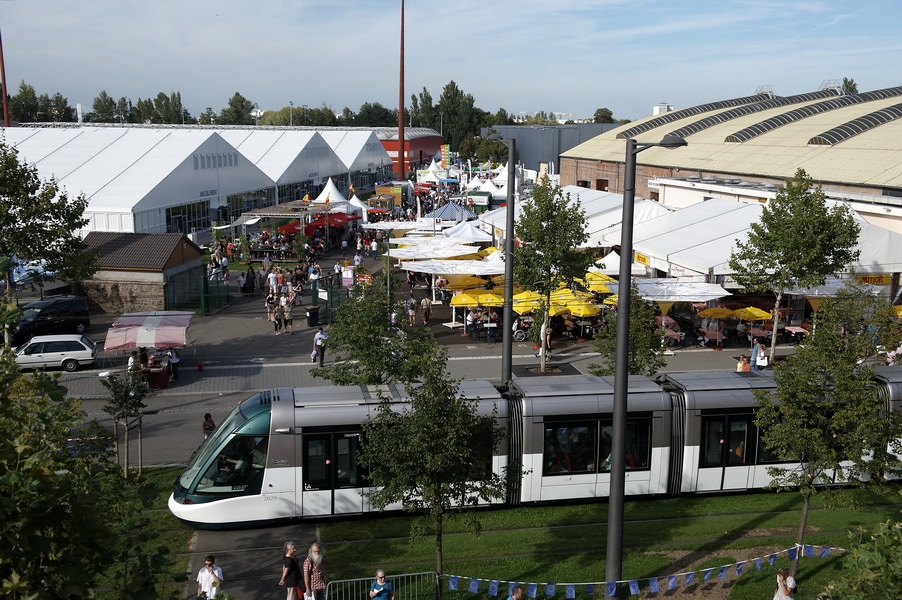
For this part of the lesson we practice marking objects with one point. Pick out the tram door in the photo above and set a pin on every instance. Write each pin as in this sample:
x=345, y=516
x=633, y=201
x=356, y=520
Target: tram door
x=726, y=453
x=332, y=480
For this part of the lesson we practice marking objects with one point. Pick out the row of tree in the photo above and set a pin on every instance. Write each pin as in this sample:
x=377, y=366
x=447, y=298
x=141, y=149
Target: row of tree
x=455, y=114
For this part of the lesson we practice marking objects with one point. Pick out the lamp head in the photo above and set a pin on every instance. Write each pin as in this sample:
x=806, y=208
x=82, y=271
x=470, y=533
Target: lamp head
x=671, y=141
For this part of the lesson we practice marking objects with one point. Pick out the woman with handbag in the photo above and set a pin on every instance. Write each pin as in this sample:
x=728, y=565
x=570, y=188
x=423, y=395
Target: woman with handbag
x=291, y=573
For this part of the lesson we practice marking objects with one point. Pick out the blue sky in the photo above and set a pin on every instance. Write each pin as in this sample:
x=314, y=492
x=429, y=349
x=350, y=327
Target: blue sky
x=569, y=56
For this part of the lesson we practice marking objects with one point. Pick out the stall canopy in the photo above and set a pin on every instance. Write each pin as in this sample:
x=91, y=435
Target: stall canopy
x=160, y=329
x=465, y=231
x=331, y=219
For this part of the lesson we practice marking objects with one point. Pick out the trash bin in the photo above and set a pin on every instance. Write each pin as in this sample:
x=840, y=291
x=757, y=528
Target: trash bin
x=312, y=316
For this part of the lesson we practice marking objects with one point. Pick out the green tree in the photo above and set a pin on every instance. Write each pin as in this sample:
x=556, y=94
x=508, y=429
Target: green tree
x=375, y=115
x=24, y=106
x=551, y=227
x=126, y=403
x=376, y=351
x=875, y=572
x=59, y=109
x=62, y=503
x=443, y=467
x=103, y=109
x=238, y=112
x=458, y=110
x=208, y=117
x=644, y=354
x=40, y=222
x=798, y=243
x=603, y=115
x=125, y=111
x=849, y=86
x=423, y=112
x=826, y=414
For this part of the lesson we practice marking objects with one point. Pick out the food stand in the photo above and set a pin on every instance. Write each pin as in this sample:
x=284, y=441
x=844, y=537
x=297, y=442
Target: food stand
x=159, y=330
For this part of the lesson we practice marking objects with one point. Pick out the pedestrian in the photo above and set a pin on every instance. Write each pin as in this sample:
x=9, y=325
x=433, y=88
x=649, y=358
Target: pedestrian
x=374, y=248
x=133, y=361
x=756, y=350
x=412, y=305
x=174, y=364
x=209, y=578
x=516, y=593
x=382, y=588
x=277, y=319
x=426, y=309
x=319, y=347
x=208, y=425
x=344, y=248
x=786, y=585
x=291, y=571
x=358, y=259
x=288, y=318
x=315, y=573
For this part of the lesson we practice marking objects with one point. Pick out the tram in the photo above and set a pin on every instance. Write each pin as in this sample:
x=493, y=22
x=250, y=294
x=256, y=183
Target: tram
x=291, y=453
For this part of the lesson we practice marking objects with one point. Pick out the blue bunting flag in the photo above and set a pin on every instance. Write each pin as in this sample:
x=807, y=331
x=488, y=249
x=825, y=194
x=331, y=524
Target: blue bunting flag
x=772, y=559
x=611, y=587
x=531, y=590
x=671, y=582
x=452, y=582
x=791, y=553
x=590, y=589
x=758, y=564
x=653, y=585
x=739, y=567
x=474, y=586
x=824, y=552
x=570, y=592
x=690, y=577
x=634, y=587
x=550, y=589
x=493, y=588
x=809, y=550
x=722, y=574
x=708, y=574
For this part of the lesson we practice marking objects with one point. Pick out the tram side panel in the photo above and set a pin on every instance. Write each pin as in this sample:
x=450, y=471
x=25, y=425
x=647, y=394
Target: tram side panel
x=567, y=433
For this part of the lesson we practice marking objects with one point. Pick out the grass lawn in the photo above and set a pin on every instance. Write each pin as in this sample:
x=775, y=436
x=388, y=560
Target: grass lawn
x=565, y=544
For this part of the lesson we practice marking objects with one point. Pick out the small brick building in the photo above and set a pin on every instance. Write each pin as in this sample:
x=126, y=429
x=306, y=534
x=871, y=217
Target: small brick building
x=144, y=271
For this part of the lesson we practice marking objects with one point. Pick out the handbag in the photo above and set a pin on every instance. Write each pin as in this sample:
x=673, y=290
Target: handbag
x=762, y=360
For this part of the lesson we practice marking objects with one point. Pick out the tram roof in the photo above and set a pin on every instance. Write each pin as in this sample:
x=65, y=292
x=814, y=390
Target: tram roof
x=586, y=394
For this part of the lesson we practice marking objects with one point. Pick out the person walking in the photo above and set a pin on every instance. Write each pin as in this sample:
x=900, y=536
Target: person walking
x=426, y=310
x=291, y=571
x=208, y=425
x=173, y=364
x=756, y=350
x=381, y=588
x=315, y=573
x=209, y=578
x=319, y=346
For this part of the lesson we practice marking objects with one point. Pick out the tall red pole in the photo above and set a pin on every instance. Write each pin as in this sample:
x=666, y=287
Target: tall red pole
x=402, y=166
x=3, y=84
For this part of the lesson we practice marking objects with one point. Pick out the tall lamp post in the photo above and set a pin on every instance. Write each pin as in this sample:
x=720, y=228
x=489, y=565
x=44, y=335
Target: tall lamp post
x=614, y=554
x=507, y=334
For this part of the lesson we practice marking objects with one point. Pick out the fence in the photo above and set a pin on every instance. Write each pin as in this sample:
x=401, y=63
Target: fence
x=411, y=586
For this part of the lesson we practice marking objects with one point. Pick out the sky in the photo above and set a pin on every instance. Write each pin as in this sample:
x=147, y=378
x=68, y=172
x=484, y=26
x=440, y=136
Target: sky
x=562, y=56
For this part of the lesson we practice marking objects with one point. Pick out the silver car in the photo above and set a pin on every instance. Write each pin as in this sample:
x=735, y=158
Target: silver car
x=66, y=351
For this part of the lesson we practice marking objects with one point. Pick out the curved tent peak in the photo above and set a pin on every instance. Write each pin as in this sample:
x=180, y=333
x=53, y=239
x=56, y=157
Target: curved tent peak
x=330, y=193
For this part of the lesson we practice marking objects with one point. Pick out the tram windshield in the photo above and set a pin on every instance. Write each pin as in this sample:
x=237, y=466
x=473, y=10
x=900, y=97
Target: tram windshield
x=213, y=445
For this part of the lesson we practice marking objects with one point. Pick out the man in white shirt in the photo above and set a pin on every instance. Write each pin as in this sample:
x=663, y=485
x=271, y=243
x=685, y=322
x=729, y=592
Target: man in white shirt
x=209, y=578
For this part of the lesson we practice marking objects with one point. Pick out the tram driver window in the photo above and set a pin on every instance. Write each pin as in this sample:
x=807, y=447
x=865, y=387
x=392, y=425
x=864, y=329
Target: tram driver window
x=238, y=467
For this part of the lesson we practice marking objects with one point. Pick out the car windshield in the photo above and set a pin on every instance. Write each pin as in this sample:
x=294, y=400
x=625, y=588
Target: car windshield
x=29, y=314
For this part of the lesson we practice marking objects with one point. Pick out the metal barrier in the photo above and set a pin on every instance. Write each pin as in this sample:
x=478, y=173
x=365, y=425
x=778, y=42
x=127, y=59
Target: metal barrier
x=410, y=586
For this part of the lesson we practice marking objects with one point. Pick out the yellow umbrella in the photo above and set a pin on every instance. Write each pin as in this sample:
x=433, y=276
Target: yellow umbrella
x=524, y=308
x=717, y=312
x=583, y=309
x=462, y=282
x=599, y=277
x=567, y=295
x=557, y=309
x=594, y=285
x=898, y=310
x=465, y=300
x=487, y=298
x=611, y=300
x=528, y=296
x=489, y=250
x=751, y=313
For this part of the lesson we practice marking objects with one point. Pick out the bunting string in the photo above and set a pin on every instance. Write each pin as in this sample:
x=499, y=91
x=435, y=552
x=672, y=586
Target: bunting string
x=653, y=584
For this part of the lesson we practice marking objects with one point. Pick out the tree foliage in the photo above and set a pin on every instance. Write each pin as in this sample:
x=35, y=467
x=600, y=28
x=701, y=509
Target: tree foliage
x=875, y=572
x=849, y=86
x=551, y=228
x=126, y=402
x=458, y=109
x=67, y=513
x=798, y=242
x=238, y=111
x=40, y=222
x=603, y=115
x=435, y=454
x=376, y=351
x=644, y=353
x=826, y=413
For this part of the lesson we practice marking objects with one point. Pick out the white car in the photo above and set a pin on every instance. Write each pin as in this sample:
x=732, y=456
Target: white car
x=68, y=352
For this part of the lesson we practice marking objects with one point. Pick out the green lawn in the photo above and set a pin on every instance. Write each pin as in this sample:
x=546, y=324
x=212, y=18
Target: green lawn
x=565, y=544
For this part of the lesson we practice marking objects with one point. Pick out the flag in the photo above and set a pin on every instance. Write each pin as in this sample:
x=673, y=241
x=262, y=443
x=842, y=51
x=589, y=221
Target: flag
x=722, y=574
x=772, y=559
x=708, y=574
x=611, y=588
x=739, y=567
x=671, y=582
x=824, y=552
x=351, y=188
x=690, y=577
x=570, y=592
x=809, y=550
x=474, y=586
x=634, y=587
x=531, y=590
x=791, y=553
x=306, y=197
x=493, y=588
x=327, y=199
x=550, y=589
x=452, y=582
x=653, y=585
x=758, y=564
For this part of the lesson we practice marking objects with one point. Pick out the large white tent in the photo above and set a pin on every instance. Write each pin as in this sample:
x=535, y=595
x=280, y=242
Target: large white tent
x=467, y=231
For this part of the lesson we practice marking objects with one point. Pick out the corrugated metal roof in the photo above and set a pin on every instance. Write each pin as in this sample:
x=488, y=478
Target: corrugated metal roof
x=871, y=158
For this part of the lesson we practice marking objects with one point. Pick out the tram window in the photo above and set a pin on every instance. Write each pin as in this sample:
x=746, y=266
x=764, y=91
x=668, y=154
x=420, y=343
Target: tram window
x=316, y=463
x=712, y=441
x=569, y=448
x=347, y=451
x=638, y=444
x=237, y=468
x=739, y=441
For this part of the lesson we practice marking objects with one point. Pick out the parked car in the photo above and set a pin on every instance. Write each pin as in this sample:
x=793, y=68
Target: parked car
x=50, y=315
x=68, y=352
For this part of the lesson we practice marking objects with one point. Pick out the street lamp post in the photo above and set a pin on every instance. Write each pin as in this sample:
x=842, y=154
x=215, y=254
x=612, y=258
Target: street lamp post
x=290, y=113
x=507, y=334
x=614, y=553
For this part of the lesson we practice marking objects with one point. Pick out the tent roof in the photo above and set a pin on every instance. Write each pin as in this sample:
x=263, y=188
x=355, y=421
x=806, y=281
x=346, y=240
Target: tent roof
x=467, y=231
x=451, y=212
x=331, y=193
x=357, y=150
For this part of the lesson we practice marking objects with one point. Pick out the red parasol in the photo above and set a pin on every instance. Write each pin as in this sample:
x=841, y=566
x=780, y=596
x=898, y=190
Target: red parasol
x=159, y=329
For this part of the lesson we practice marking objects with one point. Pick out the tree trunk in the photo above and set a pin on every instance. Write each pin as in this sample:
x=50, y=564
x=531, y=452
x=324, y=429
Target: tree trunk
x=140, y=444
x=773, y=334
x=439, y=554
x=543, y=347
x=116, y=436
x=125, y=463
x=800, y=536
